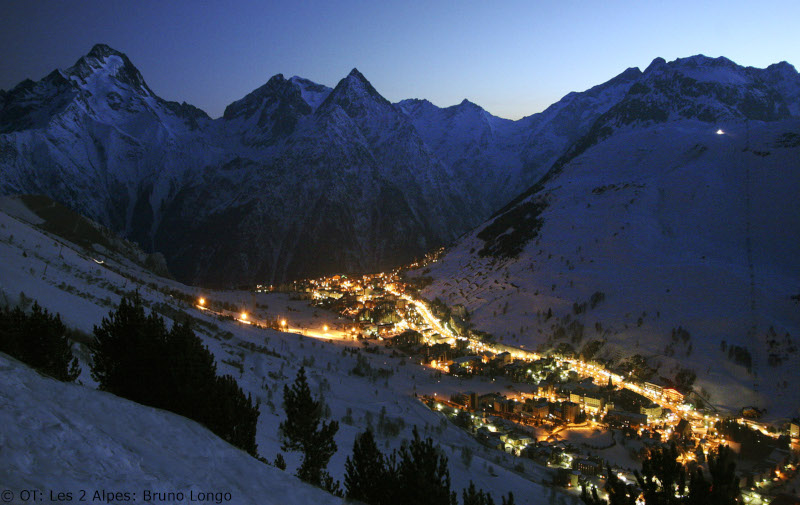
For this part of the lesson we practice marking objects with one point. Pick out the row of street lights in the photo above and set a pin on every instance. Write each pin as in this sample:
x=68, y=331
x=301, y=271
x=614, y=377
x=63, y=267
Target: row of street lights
x=244, y=317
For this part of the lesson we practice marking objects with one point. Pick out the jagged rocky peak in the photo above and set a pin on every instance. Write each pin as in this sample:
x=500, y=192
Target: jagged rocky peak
x=277, y=91
x=415, y=105
x=354, y=88
x=102, y=51
x=103, y=59
x=469, y=105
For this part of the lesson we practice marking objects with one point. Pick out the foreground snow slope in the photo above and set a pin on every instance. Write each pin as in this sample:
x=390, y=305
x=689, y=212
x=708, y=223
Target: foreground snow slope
x=66, y=437
x=109, y=441
x=676, y=225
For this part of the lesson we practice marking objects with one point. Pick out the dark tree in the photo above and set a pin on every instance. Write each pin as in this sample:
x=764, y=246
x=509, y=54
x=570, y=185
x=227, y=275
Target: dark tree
x=724, y=484
x=304, y=431
x=232, y=415
x=422, y=473
x=134, y=356
x=367, y=477
x=38, y=339
x=127, y=358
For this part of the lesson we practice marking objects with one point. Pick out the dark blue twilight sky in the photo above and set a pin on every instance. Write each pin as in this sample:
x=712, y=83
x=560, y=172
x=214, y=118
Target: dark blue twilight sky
x=513, y=58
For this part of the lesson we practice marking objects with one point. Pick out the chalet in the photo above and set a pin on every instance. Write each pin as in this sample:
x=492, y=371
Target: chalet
x=505, y=357
x=625, y=418
x=545, y=389
x=593, y=403
x=540, y=410
x=488, y=400
x=652, y=411
x=408, y=338
x=570, y=411
x=587, y=467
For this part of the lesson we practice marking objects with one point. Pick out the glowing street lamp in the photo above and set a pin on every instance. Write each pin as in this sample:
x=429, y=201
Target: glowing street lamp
x=202, y=302
x=283, y=323
x=244, y=316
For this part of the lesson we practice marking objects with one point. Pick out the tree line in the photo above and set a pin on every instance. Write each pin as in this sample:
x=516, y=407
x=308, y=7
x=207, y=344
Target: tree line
x=416, y=474
x=40, y=340
x=134, y=356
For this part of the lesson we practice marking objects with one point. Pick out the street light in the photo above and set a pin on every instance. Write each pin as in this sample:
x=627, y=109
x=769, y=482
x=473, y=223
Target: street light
x=244, y=316
x=283, y=323
x=202, y=302
x=325, y=328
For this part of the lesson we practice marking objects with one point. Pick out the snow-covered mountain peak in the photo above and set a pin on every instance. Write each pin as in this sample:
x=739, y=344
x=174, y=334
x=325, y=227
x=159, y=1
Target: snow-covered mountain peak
x=313, y=94
x=102, y=51
x=355, y=88
x=104, y=62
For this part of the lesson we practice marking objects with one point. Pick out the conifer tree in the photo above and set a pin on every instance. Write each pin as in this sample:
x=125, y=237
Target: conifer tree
x=39, y=339
x=134, y=356
x=367, y=478
x=724, y=483
x=422, y=473
x=303, y=430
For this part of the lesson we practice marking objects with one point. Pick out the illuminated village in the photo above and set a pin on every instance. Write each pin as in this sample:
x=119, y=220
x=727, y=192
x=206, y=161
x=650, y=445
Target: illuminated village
x=553, y=409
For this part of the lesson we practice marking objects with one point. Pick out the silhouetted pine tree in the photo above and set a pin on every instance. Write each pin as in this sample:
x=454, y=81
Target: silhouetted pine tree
x=189, y=362
x=127, y=357
x=304, y=431
x=38, y=339
x=422, y=474
x=367, y=478
x=724, y=483
x=134, y=356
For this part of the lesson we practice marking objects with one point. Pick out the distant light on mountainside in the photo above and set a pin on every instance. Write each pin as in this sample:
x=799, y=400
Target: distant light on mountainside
x=299, y=180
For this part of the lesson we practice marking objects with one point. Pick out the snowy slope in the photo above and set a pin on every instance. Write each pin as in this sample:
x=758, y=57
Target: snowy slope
x=67, y=438
x=677, y=226
x=66, y=279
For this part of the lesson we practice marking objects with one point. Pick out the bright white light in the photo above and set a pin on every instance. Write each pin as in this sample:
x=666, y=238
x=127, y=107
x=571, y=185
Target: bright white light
x=720, y=132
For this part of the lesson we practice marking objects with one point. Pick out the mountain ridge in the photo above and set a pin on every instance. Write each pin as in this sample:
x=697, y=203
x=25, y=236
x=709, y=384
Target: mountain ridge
x=101, y=142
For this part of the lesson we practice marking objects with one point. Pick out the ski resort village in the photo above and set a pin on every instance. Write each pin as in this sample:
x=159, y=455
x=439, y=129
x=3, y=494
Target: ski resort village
x=325, y=292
